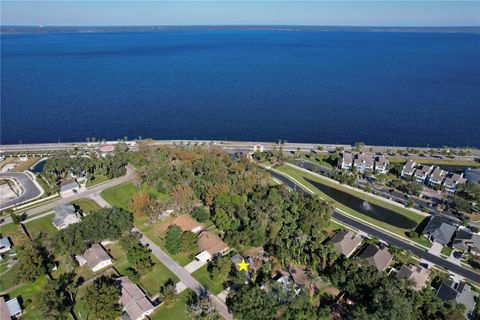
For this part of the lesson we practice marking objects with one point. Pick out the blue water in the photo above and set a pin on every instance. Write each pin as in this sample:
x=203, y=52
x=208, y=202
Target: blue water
x=414, y=89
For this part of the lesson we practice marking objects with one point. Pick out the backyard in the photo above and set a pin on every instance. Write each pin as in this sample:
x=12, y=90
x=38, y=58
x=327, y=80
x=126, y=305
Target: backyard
x=41, y=225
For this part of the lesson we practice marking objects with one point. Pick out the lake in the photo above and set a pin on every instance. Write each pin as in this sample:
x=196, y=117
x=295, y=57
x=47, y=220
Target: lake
x=414, y=89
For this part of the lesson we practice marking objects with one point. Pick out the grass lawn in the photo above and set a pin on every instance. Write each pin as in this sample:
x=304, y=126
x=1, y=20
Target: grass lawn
x=174, y=311
x=119, y=196
x=86, y=205
x=153, y=280
x=300, y=176
x=29, y=294
x=119, y=257
x=203, y=277
x=318, y=160
x=13, y=231
x=447, y=251
x=41, y=225
x=8, y=279
x=96, y=179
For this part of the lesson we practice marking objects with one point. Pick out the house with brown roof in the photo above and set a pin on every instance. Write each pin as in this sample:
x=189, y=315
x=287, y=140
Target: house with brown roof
x=187, y=223
x=212, y=244
x=347, y=161
x=363, y=162
x=135, y=303
x=381, y=164
x=417, y=273
x=378, y=257
x=95, y=257
x=346, y=242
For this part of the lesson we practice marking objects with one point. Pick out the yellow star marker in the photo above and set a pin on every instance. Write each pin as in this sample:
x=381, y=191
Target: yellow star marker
x=243, y=265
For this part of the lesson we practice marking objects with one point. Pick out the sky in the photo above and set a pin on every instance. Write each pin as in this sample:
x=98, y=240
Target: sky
x=241, y=12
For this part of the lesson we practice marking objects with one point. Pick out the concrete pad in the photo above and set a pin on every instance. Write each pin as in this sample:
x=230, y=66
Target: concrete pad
x=195, y=265
x=180, y=286
x=436, y=249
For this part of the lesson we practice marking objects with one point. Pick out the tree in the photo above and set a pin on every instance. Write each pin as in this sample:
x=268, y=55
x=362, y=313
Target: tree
x=200, y=308
x=173, y=239
x=459, y=204
x=102, y=297
x=168, y=292
x=15, y=219
x=328, y=255
x=138, y=255
x=220, y=269
x=139, y=201
x=32, y=261
x=201, y=214
x=53, y=302
x=359, y=145
x=189, y=242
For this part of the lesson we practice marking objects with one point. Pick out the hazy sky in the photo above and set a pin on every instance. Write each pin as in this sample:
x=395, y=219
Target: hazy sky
x=347, y=13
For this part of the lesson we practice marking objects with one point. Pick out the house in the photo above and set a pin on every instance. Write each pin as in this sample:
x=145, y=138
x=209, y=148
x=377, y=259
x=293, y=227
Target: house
x=236, y=260
x=380, y=258
x=438, y=231
x=5, y=244
x=135, y=303
x=68, y=187
x=211, y=245
x=299, y=275
x=436, y=178
x=65, y=215
x=105, y=151
x=363, y=163
x=452, y=181
x=417, y=273
x=10, y=309
x=346, y=242
x=95, y=257
x=408, y=168
x=422, y=172
x=187, y=223
x=347, y=161
x=381, y=164
x=285, y=282
x=460, y=293
x=465, y=240
x=258, y=147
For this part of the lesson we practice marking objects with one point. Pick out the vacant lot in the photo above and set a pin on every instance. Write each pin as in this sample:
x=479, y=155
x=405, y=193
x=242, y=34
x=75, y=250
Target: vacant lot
x=41, y=225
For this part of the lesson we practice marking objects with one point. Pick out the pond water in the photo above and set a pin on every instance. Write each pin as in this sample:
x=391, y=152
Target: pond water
x=38, y=166
x=368, y=209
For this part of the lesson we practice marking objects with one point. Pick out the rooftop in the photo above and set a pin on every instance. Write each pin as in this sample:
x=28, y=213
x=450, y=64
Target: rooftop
x=346, y=242
x=211, y=243
x=186, y=222
x=133, y=299
x=440, y=231
x=417, y=273
x=95, y=254
x=378, y=257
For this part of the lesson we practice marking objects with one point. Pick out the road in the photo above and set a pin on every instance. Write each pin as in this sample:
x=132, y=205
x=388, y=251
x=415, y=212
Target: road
x=86, y=193
x=31, y=190
x=432, y=259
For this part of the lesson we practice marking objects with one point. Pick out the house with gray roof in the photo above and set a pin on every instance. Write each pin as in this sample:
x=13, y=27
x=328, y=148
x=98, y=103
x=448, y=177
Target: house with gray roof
x=422, y=172
x=65, y=215
x=452, y=181
x=5, y=244
x=465, y=240
x=435, y=179
x=10, y=309
x=460, y=293
x=347, y=161
x=95, y=257
x=418, y=274
x=408, y=168
x=381, y=164
x=380, y=258
x=438, y=231
x=363, y=162
x=346, y=242
x=68, y=186
x=136, y=305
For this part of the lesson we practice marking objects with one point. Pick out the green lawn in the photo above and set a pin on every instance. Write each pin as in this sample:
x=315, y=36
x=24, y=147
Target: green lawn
x=29, y=294
x=318, y=160
x=96, y=179
x=86, y=205
x=119, y=257
x=174, y=311
x=13, y=231
x=9, y=279
x=41, y=225
x=447, y=251
x=203, y=277
x=300, y=176
x=119, y=196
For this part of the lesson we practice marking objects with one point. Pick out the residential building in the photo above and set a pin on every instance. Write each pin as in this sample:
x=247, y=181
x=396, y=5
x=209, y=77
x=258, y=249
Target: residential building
x=422, y=172
x=95, y=257
x=346, y=242
x=380, y=258
x=105, y=151
x=65, y=215
x=136, y=305
x=258, y=147
x=363, y=163
x=435, y=179
x=417, y=273
x=187, y=223
x=381, y=164
x=465, y=240
x=211, y=246
x=236, y=260
x=68, y=187
x=460, y=293
x=409, y=168
x=5, y=244
x=347, y=161
x=438, y=231
x=452, y=181
x=10, y=309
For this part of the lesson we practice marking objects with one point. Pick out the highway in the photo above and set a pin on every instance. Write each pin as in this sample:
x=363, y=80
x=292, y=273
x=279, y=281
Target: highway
x=431, y=258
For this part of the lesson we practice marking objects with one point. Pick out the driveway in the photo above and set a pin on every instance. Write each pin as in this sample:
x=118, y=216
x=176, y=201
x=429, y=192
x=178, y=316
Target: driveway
x=436, y=249
x=194, y=265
